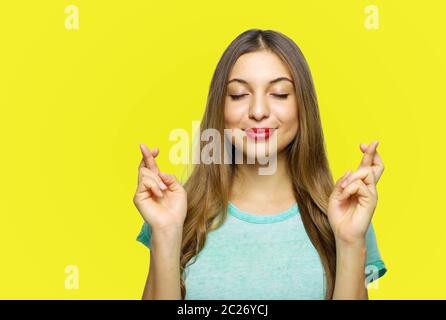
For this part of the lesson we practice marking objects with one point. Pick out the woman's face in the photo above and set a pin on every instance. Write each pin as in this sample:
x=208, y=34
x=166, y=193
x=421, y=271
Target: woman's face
x=260, y=94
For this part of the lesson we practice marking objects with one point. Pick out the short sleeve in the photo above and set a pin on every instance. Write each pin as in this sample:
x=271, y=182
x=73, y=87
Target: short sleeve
x=375, y=267
x=145, y=235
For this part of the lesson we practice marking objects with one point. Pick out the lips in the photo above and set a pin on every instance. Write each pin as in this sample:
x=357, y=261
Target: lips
x=259, y=133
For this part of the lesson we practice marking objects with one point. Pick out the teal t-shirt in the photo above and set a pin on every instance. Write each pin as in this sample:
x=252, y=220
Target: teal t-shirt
x=262, y=257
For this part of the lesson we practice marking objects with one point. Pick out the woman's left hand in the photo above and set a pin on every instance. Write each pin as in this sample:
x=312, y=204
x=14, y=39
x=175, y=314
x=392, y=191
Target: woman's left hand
x=354, y=199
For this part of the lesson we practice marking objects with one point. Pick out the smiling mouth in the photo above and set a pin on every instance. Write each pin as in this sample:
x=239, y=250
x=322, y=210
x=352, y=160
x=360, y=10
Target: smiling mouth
x=259, y=133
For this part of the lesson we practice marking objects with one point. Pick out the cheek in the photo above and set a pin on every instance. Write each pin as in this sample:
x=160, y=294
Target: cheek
x=233, y=116
x=288, y=116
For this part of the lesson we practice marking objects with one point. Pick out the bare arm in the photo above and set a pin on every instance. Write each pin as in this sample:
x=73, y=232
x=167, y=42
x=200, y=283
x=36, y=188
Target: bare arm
x=350, y=210
x=350, y=268
x=162, y=202
x=163, y=280
x=148, y=288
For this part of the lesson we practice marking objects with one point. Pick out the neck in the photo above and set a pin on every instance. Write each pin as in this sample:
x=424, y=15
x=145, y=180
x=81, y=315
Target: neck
x=263, y=191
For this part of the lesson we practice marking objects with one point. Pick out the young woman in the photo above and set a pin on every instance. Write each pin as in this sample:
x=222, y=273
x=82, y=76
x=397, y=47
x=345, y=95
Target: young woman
x=232, y=233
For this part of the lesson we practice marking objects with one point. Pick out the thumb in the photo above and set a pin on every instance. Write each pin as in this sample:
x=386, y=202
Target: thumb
x=337, y=191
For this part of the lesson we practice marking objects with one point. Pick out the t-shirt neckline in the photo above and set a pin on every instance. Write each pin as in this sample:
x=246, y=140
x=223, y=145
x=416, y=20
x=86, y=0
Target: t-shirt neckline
x=263, y=218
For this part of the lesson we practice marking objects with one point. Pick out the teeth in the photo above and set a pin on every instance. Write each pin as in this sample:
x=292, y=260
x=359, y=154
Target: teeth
x=261, y=130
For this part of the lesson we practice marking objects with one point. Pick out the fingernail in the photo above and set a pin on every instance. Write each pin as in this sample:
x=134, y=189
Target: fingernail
x=163, y=186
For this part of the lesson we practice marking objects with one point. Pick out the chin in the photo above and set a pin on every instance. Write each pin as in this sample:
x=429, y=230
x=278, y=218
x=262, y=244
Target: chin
x=261, y=150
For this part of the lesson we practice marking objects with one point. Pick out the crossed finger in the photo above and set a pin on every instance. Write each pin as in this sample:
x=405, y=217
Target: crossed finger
x=148, y=158
x=142, y=163
x=372, y=158
x=369, y=154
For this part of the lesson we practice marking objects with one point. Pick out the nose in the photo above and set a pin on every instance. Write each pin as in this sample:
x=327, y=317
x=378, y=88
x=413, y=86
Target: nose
x=259, y=108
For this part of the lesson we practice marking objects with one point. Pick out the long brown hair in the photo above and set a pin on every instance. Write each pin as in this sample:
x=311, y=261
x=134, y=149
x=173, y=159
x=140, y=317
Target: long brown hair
x=209, y=185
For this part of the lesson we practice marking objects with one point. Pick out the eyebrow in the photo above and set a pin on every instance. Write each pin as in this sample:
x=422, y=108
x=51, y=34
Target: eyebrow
x=271, y=82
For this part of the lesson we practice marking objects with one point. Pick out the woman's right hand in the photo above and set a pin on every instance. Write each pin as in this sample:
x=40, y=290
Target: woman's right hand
x=160, y=198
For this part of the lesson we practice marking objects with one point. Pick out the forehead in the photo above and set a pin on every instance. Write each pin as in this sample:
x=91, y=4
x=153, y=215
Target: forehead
x=259, y=67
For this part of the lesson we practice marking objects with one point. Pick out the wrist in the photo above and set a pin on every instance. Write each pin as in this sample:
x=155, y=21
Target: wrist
x=351, y=241
x=351, y=248
x=167, y=235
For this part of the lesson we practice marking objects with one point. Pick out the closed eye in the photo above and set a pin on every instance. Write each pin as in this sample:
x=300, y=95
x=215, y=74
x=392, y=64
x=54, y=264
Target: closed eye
x=281, y=96
x=237, y=96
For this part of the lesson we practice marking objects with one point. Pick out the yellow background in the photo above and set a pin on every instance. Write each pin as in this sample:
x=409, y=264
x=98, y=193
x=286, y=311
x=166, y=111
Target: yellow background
x=75, y=104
